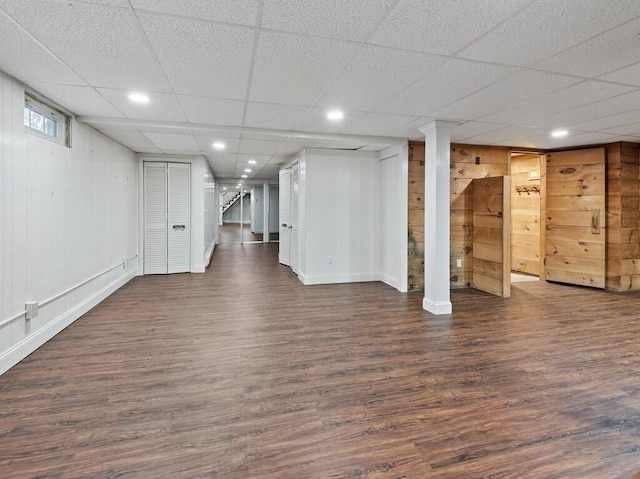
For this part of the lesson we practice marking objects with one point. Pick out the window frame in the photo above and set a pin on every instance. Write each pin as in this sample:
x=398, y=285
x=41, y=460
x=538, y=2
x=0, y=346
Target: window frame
x=62, y=120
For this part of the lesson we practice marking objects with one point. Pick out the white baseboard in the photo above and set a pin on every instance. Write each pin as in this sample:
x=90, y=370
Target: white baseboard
x=437, y=307
x=17, y=353
x=209, y=254
x=393, y=282
x=331, y=279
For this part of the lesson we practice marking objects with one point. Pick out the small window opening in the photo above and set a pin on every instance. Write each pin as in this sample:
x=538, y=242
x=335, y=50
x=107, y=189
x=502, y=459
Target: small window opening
x=46, y=121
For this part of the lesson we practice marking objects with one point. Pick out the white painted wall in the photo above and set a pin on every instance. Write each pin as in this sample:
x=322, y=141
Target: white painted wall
x=201, y=249
x=340, y=216
x=210, y=214
x=274, y=211
x=69, y=226
x=257, y=209
x=394, y=198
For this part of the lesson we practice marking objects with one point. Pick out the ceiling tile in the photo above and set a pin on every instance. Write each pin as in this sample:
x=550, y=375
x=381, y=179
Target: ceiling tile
x=588, y=91
x=103, y=45
x=205, y=140
x=80, y=100
x=454, y=80
x=511, y=135
x=516, y=89
x=442, y=26
x=629, y=75
x=545, y=141
x=16, y=45
x=172, y=141
x=354, y=123
x=212, y=111
x=631, y=129
x=256, y=147
x=608, y=122
x=385, y=73
x=613, y=50
x=470, y=129
x=200, y=58
x=271, y=116
x=548, y=27
x=228, y=11
x=132, y=139
x=611, y=106
x=161, y=105
x=295, y=70
x=352, y=20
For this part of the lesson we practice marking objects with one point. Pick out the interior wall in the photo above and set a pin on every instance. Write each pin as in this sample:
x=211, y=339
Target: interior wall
x=415, y=194
x=69, y=234
x=210, y=214
x=394, y=217
x=469, y=162
x=340, y=219
x=274, y=212
x=623, y=217
x=257, y=209
x=525, y=213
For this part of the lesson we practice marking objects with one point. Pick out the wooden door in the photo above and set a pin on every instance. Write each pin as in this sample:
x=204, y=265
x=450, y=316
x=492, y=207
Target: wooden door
x=491, y=235
x=575, y=213
x=284, y=251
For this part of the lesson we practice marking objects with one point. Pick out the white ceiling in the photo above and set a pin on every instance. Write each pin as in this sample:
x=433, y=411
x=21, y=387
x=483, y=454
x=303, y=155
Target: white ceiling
x=260, y=75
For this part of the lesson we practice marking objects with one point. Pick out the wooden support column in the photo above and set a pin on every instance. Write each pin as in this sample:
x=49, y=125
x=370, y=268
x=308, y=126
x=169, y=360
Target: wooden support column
x=436, y=216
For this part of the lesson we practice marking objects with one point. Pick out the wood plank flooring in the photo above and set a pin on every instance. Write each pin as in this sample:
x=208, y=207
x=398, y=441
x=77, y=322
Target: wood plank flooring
x=230, y=233
x=242, y=372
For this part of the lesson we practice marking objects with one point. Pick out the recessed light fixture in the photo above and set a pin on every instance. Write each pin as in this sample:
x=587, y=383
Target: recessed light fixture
x=243, y=176
x=559, y=133
x=137, y=97
x=218, y=145
x=238, y=186
x=252, y=162
x=335, y=115
x=247, y=170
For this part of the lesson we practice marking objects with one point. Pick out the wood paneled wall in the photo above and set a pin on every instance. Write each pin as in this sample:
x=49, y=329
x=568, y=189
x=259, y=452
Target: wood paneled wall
x=525, y=214
x=469, y=162
x=623, y=213
x=416, y=217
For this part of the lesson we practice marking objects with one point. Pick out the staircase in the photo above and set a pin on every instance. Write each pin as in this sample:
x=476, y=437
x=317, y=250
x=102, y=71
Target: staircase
x=229, y=199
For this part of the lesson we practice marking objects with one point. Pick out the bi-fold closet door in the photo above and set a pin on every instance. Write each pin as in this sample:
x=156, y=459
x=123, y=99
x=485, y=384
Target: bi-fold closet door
x=167, y=218
x=289, y=217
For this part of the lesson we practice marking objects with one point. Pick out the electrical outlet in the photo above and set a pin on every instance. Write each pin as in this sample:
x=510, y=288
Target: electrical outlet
x=31, y=309
x=459, y=263
x=330, y=259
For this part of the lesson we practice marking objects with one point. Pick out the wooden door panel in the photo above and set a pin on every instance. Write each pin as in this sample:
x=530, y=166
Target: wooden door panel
x=491, y=236
x=575, y=221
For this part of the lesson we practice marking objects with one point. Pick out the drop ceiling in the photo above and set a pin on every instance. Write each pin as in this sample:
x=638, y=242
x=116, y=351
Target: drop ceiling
x=260, y=75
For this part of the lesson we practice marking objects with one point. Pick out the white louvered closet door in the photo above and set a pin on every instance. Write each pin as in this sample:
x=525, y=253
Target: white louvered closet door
x=155, y=218
x=295, y=189
x=284, y=252
x=179, y=218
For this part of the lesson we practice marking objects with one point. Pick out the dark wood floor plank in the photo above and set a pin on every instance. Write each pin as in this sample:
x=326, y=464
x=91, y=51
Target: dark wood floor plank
x=242, y=372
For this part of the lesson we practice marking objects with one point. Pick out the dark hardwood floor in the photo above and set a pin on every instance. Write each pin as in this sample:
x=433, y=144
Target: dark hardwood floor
x=242, y=372
x=230, y=233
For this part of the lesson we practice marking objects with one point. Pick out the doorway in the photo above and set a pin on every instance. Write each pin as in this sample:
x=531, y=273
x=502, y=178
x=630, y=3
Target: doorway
x=527, y=222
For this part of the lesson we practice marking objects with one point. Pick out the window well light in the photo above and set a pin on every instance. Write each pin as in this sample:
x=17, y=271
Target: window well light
x=335, y=115
x=137, y=97
x=218, y=145
x=559, y=133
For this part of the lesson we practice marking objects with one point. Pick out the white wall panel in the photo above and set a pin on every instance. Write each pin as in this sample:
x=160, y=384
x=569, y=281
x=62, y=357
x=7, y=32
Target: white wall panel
x=68, y=216
x=339, y=216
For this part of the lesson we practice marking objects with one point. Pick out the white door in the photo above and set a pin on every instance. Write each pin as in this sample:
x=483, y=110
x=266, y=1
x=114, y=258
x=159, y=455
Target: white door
x=155, y=218
x=179, y=218
x=167, y=218
x=284, y=253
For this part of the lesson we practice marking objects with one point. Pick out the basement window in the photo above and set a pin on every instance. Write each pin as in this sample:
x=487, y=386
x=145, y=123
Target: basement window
x=46, y=121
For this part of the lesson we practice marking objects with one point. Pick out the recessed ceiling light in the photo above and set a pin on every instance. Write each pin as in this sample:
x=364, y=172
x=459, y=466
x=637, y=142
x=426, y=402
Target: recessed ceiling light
x=238, y=186
x=559, y=133
x=218, y=145
x=243, y=176
x=247, y=170
x=335, y=115
x=224, y=187
x=252, y=162
x=137, y=97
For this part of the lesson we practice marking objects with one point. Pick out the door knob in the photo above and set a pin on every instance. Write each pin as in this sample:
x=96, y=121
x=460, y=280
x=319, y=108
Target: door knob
x=179, y=227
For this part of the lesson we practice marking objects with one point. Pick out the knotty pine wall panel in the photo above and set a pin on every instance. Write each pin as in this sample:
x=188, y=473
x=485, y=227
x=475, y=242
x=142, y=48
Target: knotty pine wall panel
x=623, y=217
x=416, y=217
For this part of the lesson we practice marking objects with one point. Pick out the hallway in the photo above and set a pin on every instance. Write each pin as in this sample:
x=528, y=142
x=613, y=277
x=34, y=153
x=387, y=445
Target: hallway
x=230, y=233
x=243, y=372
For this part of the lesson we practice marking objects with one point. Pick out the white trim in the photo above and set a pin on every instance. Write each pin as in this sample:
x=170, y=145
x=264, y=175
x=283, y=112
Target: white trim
x=17, y=353
x=346, y=278
x=437, y=307
x=209, y=253
x=392, y=281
